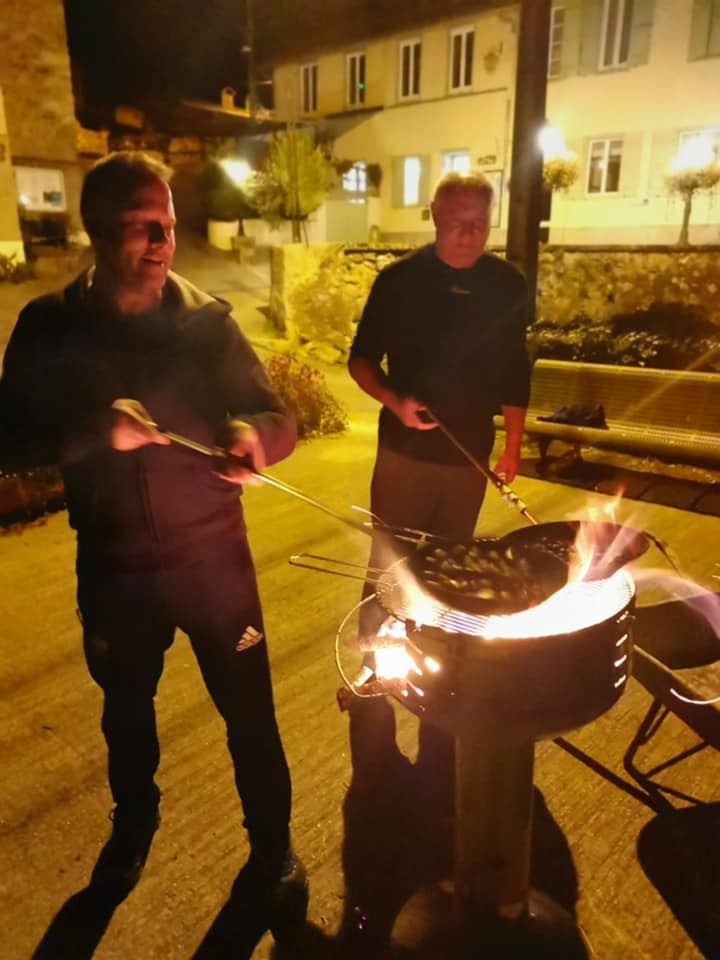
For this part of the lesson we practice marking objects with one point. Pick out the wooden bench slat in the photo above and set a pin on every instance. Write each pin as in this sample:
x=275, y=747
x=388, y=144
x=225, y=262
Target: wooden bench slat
x=648, y=411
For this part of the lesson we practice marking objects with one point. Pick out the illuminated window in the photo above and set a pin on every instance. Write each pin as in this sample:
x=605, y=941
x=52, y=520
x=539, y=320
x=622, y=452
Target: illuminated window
x=557, y=26
x=710, y=134
x=461, y=58
x=616, y=24
x=412, y=171
x=454, y=161
x=308, y=87
x=355, y=79
x=409, y=65
x=355, y=179
x=604, y=166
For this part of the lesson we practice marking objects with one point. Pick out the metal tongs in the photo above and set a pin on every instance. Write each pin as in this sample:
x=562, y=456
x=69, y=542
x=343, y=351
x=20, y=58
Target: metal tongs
x=135, y=410
x=504, y=489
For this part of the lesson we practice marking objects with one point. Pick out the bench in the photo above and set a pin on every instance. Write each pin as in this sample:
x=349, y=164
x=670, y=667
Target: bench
x=671, y=414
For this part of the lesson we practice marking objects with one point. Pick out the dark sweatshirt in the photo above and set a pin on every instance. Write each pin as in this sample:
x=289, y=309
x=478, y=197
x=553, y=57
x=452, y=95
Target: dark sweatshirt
x=452, y=339
x=188, y=363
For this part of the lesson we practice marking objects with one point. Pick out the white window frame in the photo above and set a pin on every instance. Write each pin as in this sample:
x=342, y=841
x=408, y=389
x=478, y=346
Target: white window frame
x=40, y=189
x=411, y=189
x=712, y=133
x=557, y=29
x=464, y=33
x=613, y=44
x=414, y=54
x=454, y=161
x=308, y=87
x=354, y=180
x=607, y=147
x=355, y=63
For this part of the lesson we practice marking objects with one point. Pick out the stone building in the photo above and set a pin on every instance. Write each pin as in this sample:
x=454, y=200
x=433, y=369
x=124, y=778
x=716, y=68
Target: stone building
x=36, y=85
x=631, y=88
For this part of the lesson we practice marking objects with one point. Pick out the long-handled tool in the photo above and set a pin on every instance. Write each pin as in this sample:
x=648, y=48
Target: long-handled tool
x=135, y=410
x=505, y=491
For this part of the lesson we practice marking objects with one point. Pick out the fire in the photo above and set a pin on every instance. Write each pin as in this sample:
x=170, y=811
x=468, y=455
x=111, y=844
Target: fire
x=393, y=661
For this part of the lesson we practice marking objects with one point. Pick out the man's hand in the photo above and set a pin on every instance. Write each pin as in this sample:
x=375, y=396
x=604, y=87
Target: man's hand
x=245, y=453
x=508, y=464
x=409, y=411
x=127, y=433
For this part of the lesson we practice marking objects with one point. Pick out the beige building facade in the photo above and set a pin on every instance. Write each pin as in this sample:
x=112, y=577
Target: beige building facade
x=39, y=120
x=11, y=244
x=630, y=83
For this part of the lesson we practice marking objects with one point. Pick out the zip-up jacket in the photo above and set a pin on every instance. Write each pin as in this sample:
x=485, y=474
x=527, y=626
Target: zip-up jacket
x=189, y=364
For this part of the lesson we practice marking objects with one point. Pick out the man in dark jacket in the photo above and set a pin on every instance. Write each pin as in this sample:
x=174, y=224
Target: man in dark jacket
x=160, y=534
x=442, y=335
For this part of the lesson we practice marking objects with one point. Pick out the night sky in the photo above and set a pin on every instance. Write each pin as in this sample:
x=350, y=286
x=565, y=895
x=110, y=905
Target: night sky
x=134, y=50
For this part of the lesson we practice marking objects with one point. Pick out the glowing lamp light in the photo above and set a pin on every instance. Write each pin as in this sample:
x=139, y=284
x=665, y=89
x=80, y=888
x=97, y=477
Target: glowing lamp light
x=552, y=143
x=24, y=199
x=694, y=154
x=237, y=170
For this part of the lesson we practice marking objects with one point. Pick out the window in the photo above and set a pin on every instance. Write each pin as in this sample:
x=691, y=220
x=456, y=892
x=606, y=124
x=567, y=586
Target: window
x=461, y=58
x=355, y=79
x=616, y=23
x=557, y=26
x=412, y=171
x=308, y=87
x=705, y=30
x=409, y=63
x=40, y=189
x=454, y=161
x=604, y=166
x=355, y=180
x=709, y=141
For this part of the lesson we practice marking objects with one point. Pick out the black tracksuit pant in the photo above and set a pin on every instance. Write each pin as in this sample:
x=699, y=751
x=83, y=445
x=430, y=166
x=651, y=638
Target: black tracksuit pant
x=129, y=620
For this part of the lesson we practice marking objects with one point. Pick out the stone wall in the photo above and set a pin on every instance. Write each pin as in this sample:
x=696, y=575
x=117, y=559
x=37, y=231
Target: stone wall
x=593, y=282
x=603, y=281
x=36, y=82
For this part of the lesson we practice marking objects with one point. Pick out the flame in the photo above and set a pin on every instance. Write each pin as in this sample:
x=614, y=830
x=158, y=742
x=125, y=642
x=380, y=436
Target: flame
x=393, y=660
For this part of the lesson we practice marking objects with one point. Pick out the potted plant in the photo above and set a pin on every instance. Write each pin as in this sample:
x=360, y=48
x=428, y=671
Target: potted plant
x=224, y=206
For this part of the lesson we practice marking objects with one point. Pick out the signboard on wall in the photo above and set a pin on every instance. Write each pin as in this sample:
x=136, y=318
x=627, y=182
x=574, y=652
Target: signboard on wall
x=40, y=189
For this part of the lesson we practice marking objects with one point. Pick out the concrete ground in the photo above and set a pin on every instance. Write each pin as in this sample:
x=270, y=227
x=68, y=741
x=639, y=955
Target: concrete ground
x=636, y=863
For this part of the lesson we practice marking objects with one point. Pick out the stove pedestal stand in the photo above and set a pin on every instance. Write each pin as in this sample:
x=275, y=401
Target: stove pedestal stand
x=489, y=910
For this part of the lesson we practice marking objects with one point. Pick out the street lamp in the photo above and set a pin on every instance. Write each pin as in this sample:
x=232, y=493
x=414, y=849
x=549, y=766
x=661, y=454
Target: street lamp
x=237, y=170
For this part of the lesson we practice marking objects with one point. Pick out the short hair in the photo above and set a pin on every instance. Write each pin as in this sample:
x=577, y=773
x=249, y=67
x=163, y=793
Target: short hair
x=465, y=181
x=111, y=182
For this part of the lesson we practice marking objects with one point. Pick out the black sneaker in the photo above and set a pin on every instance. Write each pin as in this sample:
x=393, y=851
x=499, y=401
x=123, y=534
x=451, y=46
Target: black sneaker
x=123, y=857
x=289, y=900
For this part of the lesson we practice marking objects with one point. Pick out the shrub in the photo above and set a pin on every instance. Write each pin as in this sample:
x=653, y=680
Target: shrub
x=303, y=390
x=666, y=336
x=13, y=272
x=328, y=301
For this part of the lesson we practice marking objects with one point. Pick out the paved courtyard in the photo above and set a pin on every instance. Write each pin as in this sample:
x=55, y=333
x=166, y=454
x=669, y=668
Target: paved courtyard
x=638, y=868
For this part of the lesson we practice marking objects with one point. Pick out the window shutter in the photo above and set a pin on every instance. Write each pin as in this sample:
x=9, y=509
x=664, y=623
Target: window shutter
x=424, y=191
x=591, y=28
x=663, y=148
x=571, y=38
x=397, y=181
x=699, y=29
x=641, y=32
x=630, y=171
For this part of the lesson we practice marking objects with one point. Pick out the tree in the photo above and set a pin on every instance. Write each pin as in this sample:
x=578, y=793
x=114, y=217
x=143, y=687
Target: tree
x=560, y=172
x=686, y=182
x=293, y=182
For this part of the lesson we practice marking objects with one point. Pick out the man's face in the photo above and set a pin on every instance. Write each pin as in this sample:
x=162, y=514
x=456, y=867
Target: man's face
x=462, y=225
x=137, y=246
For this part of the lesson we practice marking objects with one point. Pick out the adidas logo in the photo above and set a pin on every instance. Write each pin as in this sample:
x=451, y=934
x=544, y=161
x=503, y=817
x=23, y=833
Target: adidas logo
x=250, y=637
